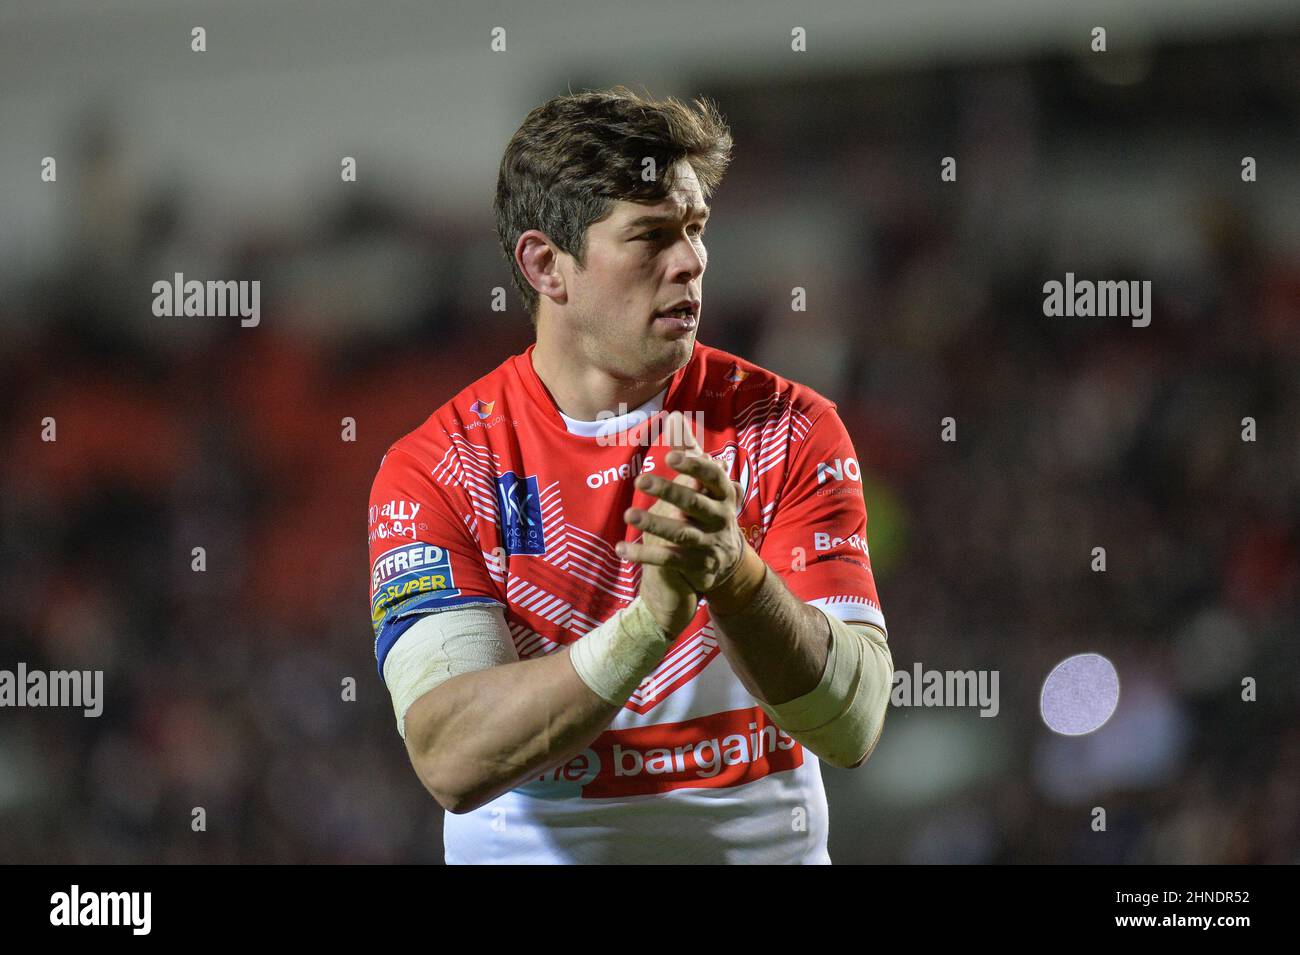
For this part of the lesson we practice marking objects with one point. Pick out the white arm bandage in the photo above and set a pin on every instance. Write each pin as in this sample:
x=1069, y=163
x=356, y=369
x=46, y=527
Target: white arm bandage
x=614, y=658
x=442, y=645
x=841, y=719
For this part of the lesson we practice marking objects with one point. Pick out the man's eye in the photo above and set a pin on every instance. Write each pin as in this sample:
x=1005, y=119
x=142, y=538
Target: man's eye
x=655, y=235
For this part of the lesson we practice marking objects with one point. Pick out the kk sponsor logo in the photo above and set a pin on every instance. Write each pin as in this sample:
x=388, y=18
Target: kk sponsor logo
x=520, y=511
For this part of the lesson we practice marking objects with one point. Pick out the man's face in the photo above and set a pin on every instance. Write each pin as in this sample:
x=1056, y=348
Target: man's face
x=641, y=259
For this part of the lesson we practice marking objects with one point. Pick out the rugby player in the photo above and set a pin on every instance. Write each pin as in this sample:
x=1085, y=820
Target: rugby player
x=620, y=586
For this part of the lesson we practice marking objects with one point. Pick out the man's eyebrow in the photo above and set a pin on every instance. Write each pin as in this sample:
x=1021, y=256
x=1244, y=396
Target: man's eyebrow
x=693, y=212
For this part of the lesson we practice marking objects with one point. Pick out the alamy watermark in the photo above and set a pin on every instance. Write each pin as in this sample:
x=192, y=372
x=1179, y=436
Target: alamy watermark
x=661, y=429
x=77, y=688
x=212, y=299
x=1086, y=299
x=922, y=687
x=75, y=907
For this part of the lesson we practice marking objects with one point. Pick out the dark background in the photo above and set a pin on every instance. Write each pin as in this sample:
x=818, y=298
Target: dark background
x=925, y=301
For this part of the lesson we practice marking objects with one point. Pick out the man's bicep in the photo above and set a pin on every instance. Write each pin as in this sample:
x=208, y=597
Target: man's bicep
x=437, y=646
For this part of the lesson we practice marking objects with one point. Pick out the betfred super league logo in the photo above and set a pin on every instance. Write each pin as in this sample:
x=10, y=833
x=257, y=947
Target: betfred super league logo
x=520, y=507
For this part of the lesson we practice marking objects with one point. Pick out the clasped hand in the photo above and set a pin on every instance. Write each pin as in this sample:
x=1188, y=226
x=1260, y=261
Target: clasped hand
x=698, y=536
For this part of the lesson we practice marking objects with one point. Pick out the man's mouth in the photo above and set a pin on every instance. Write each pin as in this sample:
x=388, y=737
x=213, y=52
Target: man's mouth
x=682, y=316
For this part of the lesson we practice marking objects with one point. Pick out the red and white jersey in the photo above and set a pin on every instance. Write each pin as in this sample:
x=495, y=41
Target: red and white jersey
x=499, y=498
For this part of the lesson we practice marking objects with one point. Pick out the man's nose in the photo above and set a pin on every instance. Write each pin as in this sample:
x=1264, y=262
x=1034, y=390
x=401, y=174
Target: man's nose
x=690, y=261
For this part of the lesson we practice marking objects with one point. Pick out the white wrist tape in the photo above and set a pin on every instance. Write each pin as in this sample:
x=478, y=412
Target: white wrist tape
x=614, y=658
x=840, y=720
x=442, y=645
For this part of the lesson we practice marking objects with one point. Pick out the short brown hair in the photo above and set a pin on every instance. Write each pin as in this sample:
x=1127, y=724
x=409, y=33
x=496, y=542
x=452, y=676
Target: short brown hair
x=576, y=154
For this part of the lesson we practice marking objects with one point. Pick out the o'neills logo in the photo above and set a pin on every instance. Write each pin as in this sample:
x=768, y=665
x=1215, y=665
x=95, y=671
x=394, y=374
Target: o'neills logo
x=725, y=749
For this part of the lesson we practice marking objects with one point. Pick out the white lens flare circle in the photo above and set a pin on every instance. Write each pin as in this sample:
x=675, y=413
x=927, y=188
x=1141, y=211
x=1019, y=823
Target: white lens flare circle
x=1080, y=694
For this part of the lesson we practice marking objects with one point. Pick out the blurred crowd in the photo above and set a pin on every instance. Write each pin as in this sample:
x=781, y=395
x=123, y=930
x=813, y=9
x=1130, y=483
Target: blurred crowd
x=224, y=688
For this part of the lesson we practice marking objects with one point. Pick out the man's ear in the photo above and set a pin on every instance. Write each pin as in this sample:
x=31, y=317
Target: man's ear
x=538, y=260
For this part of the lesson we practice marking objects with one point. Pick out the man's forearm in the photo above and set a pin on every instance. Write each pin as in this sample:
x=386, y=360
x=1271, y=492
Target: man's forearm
x=483, y=733
x=776, y=643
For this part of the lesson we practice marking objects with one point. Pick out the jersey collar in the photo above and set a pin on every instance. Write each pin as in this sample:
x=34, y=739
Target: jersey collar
x=606, y=426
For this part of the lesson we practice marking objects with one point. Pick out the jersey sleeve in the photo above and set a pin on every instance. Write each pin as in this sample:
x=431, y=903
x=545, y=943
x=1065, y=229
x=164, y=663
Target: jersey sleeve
x=424, y=555
x=817, y=540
